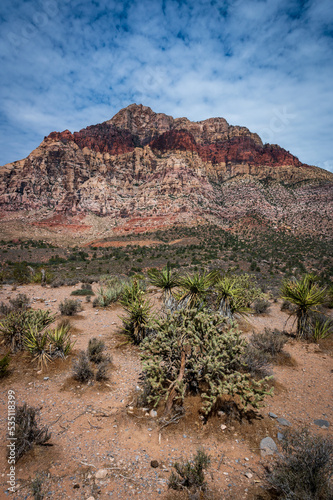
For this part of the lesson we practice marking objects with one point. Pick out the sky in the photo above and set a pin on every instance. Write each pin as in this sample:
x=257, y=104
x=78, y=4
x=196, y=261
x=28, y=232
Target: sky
x=263, y=64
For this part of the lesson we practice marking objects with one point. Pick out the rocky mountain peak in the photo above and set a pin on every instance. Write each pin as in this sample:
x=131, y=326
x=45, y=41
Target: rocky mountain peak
x=146, y=164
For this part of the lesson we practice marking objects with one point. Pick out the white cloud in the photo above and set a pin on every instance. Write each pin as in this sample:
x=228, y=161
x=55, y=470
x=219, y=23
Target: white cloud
x=72, y=64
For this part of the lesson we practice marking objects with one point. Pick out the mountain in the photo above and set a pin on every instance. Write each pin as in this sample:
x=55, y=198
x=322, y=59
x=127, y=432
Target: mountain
x=143, y=170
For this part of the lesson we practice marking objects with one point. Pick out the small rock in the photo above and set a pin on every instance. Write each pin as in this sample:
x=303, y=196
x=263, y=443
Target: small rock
x=46, y=378
x=154, y=464
x=153, y=413
x=223, y=427
x=280, y=436
x=101, y=474
x=322, y=423
x=76, y=486
x=283, y=421
x=220, y=413
x=272, y=415
x=267, y=447
x=91, y=498
x=248, y=475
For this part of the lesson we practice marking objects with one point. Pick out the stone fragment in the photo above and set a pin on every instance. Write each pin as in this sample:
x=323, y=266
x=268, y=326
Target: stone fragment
x=283, y=421
x=101, y=474
x=267, y=447
x=154, y=464
x=272, y=415
x=324, y=424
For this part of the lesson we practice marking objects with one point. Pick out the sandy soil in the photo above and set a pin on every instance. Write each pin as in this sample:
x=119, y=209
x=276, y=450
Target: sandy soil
x=94, y=427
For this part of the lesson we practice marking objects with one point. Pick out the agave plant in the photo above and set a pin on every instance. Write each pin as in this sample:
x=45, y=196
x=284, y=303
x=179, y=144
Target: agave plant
x=37, y=344
x=306, y=295
x=194, y=289
x=60, y=341
x=166, y=280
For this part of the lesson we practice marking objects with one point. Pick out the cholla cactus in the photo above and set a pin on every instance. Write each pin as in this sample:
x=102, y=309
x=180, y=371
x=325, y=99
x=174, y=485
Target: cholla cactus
x=192, y=349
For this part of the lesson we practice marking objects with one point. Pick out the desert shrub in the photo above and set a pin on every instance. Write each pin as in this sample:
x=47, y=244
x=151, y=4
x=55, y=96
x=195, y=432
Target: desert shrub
x=193, y=350
x=82, y=292
x=105, y=296
x=137, y=320
x=21, y=273
x=15, y=326
x=190, y=474
x=5, y=309
x=43, y=277
x=101, y=373
x=320, y=328
x=257, y=362
x=82, y=370
x=4, y=364
x=20, y=303
x=57, y=282
x=261, y=306
x=27, y=430
x=271, y=342
x=36, y=488
x=69, y=307
x=305, y=468
x=288, y=307
x=95, y=350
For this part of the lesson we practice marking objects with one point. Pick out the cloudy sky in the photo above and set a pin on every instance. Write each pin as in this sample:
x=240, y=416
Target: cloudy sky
x=264, y=64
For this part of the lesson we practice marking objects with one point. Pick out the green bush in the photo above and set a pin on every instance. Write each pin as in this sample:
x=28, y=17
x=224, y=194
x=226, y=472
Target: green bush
x=69, y=307
x=305, y=468
x=190, y=474
x=82, y=292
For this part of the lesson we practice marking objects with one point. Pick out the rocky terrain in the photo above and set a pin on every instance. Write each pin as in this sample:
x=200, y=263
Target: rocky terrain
x=146, y=170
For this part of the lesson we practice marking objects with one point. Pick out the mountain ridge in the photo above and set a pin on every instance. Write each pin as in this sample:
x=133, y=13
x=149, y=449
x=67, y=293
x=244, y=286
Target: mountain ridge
x=146, y=164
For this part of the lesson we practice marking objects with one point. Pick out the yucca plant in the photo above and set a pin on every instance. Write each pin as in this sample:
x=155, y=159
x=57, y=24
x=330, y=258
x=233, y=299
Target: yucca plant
x=38, y=344
x=131, y=292
x=235, y=294
x=136, y=323
x=60, y=341
x=322, y=329
x=194, y=289
x=166, y=280
x=306, y=295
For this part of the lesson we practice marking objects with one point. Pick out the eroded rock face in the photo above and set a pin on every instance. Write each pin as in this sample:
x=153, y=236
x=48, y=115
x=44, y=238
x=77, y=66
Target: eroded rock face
x=146, y=164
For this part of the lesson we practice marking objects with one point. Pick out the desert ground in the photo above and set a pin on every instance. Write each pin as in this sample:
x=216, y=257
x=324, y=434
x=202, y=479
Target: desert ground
x=104, y=446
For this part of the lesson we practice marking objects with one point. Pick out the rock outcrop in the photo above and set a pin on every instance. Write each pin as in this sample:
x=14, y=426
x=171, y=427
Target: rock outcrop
x=142, y=164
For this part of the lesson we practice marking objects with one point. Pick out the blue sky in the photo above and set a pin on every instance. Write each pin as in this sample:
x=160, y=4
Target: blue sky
x=264, y=64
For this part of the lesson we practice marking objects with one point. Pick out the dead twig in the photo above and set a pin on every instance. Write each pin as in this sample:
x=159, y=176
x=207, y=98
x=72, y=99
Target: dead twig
x=94, y=426
x=220, y=461
x=174, y=420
